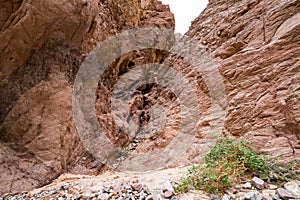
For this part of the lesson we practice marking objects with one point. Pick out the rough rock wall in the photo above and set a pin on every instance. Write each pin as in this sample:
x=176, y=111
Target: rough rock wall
x=42, y=46
x=43, y=43
x=257, y=44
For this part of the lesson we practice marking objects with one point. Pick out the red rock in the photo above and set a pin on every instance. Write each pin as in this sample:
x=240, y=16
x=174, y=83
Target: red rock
x=258, y=59
x=255, y=43
x=42, y=45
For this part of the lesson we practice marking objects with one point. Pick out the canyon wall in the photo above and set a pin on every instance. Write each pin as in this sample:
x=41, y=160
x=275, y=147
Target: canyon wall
x=256, y=46
x=43, y=43
x=255, y=43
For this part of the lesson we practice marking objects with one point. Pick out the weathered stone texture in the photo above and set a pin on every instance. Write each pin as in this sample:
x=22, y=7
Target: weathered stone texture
x=43, y=43
x=257, y=45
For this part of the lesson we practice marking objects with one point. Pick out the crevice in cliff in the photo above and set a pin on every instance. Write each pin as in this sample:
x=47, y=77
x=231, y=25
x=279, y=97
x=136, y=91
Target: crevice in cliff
x=110, y=78
x=7, y=9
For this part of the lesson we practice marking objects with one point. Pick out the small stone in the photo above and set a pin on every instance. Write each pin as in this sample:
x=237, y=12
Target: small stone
x=246, y=185
x=258, y=183
x=135, y=181
x=234, y=191
x=272, y=187
x=135, y=192
x=105, y=190
x=293, y=187
x=266, y=197
x=86, y=196
x=298, y=182
x=111, y=191
x=77, y=187
x=127, y=187
x=64, y=187
x=225, y=197
x=168, y=194
x=269, y=192
x=247, y=190
x=156, y=196
x=142, y=195
x=214, y=196
x=150, y=197
x=167, y=186
x=125, y=182
x=285, y=194
x=240, y=195
x=231, y=193
x=258, y=196
x=275, y=197
x=103, y=196
x=146, y=190
x=249, y=195
x=131, y=197
x=238, y=187
x=136, y=187
x=93, y=190
x=61, y=194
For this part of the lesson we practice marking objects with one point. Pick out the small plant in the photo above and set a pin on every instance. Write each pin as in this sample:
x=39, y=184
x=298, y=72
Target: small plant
x=238, y=156
x=225, y=164
x=228, y=161
x=280, y=173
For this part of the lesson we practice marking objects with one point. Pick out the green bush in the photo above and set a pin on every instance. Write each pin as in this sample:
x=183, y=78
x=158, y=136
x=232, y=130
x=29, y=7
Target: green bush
x=225, y=164
x=237, y=156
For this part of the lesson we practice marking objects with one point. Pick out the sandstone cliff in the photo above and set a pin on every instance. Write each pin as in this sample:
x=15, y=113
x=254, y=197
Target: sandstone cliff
x=42, y=46
x=255, y=43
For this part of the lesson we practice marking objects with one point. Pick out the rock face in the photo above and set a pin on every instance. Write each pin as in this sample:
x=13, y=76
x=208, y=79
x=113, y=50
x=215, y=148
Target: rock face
x=257, y=45
x=42, y=46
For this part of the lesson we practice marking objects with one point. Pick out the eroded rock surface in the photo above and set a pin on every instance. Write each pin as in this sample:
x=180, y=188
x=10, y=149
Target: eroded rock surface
x=257, y=46
x=43, y=43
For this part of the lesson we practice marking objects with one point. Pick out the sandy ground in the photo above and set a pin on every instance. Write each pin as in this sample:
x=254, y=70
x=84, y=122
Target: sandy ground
x=152, y=179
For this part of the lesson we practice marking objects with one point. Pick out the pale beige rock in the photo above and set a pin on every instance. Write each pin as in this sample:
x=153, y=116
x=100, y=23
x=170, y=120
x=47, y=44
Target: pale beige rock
x=285, y=194
x=293, y=187
x=269, y=192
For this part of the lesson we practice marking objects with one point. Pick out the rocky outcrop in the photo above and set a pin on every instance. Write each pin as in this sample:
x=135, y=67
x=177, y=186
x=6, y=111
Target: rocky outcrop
x=257, y=45
x=43, y=43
